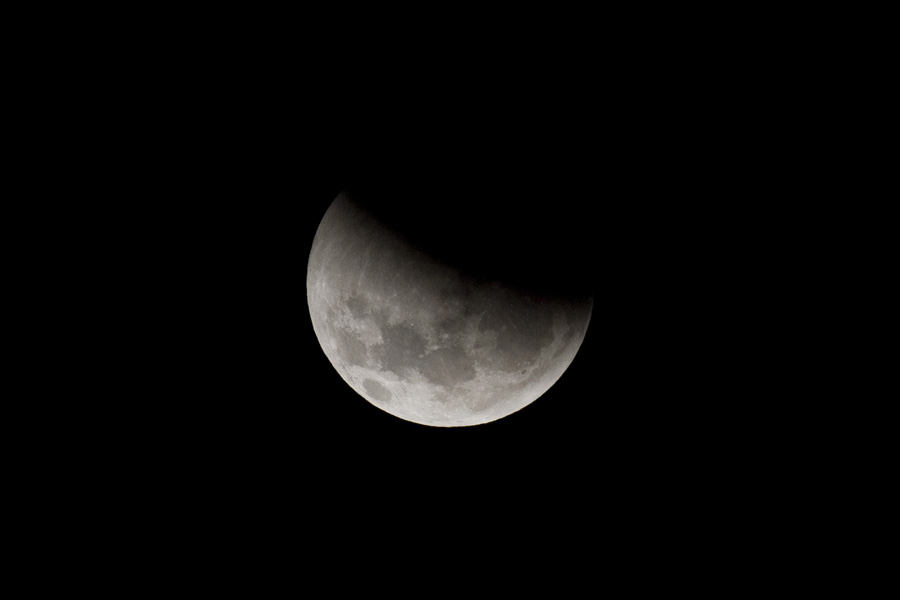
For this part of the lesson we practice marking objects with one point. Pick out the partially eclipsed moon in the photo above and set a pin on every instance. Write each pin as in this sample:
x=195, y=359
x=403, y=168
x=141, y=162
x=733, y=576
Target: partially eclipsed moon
x=426, y=342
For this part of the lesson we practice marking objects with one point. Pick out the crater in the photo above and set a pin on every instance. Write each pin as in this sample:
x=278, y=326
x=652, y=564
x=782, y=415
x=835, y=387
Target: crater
x=377, y=391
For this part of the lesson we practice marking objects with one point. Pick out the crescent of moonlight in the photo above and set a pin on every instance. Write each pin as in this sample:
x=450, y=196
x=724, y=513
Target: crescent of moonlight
x=421, y=340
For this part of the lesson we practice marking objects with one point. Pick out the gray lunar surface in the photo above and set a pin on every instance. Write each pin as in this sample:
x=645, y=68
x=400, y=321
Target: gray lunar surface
x=423, y=341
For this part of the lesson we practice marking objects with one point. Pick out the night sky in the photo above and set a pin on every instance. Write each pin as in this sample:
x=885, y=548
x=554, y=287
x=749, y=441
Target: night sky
x=639, y=159
x=621, y=196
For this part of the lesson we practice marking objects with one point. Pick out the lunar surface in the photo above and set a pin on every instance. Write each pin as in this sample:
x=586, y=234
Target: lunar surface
x=423, y=340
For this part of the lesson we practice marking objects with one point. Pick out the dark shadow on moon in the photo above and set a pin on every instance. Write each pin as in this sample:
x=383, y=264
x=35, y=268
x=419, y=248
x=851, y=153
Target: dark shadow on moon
x=487, y=236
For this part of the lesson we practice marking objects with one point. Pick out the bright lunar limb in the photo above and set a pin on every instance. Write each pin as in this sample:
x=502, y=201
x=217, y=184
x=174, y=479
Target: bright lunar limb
x=425, y=341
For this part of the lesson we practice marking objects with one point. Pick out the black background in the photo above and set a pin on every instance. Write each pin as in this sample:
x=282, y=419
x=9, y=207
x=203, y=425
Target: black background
x=630, y=163
x=191, y=424
x=650, y=405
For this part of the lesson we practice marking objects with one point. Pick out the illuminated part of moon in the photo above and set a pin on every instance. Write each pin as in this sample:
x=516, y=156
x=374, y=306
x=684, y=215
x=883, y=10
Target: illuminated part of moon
x=423, y=341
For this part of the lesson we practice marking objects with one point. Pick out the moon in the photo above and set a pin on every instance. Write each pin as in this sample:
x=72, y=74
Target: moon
x=429, y=339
